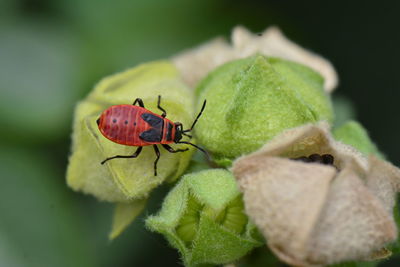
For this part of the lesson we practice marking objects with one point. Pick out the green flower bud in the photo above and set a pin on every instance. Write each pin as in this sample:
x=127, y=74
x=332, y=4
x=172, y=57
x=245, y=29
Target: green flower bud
x=203, y=217
x=251, y=100
x=127, y=180
x=354, y=134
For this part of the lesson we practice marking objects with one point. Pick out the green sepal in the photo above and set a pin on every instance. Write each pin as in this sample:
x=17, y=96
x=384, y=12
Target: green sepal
x=395, y=247
x=203, y=218
x=226, y=246
x=124, y=214
x=251, y=100
x=354, y=134
x=122, y=180
x=222, y=161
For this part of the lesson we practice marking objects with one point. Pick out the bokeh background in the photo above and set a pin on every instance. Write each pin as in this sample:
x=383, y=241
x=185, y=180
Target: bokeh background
x=52, y=52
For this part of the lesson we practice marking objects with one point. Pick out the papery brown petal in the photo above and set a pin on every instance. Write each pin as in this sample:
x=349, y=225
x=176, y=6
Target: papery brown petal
x=310, y=214
x=353, y=225
x=284, y=198
x=310, y=139
x=300, y=141
x=272, y=42
x=383, y=180
x=195, y=63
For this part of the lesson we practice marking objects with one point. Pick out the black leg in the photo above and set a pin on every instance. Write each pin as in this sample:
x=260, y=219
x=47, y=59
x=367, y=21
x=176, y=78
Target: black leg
x=171, y=150
x=158, y=157
x=140, y=101
x=164, y=114
x=134, y=155
x=188, y=135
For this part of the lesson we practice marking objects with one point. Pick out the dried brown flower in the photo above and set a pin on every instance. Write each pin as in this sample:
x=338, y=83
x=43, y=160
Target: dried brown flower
x=313, y=214
x=194, y=64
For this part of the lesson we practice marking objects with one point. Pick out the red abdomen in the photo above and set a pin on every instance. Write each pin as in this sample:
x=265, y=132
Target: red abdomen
x=135, y=126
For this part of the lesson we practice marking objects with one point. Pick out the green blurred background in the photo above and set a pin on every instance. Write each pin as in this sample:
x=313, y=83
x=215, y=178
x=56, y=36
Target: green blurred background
x=53, y=52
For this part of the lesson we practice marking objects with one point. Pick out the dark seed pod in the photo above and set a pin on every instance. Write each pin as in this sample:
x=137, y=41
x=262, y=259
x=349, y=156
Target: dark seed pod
x=316, y=158
x=328, y=159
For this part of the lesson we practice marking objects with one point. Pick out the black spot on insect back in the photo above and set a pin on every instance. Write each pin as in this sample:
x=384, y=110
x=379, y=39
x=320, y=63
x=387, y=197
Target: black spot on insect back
x=126, y=122
x=114, y=120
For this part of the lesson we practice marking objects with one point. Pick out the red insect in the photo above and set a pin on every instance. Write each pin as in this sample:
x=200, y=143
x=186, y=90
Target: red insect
x=133, y=125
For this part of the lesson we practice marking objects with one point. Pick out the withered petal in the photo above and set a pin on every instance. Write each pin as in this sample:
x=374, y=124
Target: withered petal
x=383, y=180
x=284, y=198
x=195, y=63
x=313, y=214
x=353, y=225
x=272, y=42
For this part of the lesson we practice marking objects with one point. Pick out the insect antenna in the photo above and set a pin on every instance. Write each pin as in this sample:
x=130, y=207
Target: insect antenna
x=199, y=148
x=198, y=116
